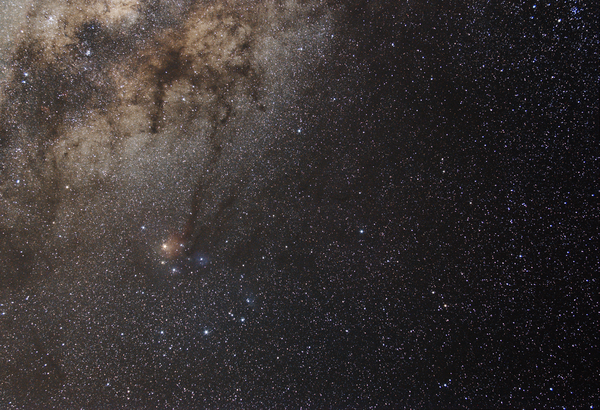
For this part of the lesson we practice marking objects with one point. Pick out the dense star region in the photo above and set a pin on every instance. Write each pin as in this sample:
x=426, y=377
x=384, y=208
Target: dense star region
x=299, y=204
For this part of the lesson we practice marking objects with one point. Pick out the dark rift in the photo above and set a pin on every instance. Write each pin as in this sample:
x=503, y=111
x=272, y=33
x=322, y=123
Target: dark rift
x=114, y=112
x=165, y=65
x=86, y=77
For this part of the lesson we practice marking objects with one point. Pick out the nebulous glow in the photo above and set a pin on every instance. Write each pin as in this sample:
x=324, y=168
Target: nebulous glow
x=173, y=247
x=110, y=110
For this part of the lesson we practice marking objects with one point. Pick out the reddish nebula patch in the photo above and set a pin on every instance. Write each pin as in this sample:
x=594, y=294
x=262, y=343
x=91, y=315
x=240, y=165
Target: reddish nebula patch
x=173, y=247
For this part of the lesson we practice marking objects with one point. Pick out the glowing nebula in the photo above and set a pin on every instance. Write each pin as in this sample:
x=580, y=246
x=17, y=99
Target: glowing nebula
x=173, y=247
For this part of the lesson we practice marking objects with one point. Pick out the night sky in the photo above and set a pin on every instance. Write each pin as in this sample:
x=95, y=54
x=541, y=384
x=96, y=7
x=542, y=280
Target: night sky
x=299, y=204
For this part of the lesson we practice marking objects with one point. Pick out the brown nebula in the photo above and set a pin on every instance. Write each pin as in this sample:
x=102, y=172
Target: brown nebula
x=173, y=247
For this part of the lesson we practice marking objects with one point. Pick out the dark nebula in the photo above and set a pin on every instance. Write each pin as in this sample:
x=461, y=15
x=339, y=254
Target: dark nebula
x=299, y=204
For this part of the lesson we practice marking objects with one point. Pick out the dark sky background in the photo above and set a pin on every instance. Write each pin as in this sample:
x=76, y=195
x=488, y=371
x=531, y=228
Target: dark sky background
x=310, y=204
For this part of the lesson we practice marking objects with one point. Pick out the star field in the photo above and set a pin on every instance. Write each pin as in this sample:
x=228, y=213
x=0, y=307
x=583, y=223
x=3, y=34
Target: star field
x=309, y=204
